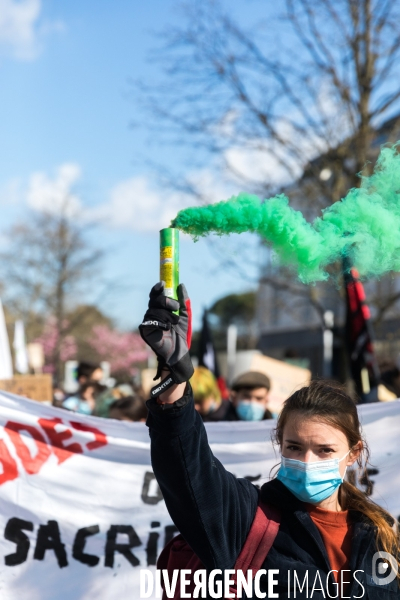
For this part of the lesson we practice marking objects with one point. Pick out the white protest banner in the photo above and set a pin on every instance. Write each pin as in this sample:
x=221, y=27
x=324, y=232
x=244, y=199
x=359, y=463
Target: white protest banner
x=81, y=512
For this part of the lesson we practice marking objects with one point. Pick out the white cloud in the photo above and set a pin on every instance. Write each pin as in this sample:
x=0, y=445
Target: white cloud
x=55, y=194
x=139, y=205
x=11, y=192
x=134, y=204
x=262, y=166
x=21, y=28
x=211, y=186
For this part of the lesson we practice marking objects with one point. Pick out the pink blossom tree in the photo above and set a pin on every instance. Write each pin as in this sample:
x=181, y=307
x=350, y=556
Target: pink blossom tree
x=52, y=345
x=121, y=349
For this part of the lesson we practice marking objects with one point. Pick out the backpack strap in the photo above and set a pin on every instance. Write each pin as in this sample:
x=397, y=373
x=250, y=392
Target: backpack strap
x=262, y=534
x=177, y=554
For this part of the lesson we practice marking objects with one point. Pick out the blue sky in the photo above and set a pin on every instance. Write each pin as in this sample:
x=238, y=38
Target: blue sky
x=65, y=129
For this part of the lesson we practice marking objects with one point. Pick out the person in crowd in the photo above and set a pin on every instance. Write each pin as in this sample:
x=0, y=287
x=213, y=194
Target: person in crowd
x=249, y=398
x=85, y=400
x=106, y=398
x=329, y=530
x=58, y=396
x=207, y=396
x=130, y=408
x=390, y=377
x=87, y=371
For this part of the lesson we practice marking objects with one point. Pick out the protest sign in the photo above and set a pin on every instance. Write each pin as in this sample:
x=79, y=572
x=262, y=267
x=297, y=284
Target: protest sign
x=35, y=387
x=285, y=378
x=81, y=512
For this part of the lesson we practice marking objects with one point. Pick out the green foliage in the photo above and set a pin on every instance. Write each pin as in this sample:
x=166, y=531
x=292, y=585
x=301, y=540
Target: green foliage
x=238, y=309
x=234, y=309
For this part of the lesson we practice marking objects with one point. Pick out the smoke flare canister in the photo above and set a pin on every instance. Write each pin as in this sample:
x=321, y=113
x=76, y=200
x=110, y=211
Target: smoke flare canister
x=169, y=261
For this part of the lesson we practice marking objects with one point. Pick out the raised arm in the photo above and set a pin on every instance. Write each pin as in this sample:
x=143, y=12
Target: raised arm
x=211, y=508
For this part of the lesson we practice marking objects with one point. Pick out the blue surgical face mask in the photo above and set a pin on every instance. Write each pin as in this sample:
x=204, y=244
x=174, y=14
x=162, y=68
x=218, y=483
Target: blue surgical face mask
x=250, y=411
x=311, y=481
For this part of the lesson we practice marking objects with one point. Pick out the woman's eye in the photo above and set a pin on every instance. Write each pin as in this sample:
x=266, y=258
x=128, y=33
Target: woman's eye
x=327, y=450
x=293, y=447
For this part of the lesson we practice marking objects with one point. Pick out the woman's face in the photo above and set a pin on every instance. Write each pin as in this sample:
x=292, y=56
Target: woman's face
x=310, y=440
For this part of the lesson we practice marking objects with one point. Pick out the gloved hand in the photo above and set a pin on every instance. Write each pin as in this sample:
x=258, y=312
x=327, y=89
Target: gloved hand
x=169, y=335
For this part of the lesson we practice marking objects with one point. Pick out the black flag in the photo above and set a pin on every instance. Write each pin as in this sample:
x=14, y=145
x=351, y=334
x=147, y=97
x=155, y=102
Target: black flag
x=359, y=337
x=208, y=356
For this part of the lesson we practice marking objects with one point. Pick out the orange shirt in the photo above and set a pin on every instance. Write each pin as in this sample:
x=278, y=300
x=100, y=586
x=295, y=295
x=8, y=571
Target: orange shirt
x=336, y=531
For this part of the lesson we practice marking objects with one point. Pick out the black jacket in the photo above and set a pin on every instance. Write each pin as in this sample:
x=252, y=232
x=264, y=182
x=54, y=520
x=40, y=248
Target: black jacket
x=214, y=510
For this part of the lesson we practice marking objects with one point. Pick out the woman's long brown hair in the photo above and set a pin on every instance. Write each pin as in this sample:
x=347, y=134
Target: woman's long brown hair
x=328, y=402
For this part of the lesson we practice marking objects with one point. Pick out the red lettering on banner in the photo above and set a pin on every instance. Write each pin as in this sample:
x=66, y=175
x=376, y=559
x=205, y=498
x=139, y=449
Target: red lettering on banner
x=57, y=439
x=100, y=437
x=31, y=464
x=10, y=469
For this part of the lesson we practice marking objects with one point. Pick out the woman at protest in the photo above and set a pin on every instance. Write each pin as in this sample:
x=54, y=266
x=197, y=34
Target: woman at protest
x=329, y=531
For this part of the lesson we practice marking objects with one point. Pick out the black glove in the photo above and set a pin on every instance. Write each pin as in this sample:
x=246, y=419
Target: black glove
x=169, y=335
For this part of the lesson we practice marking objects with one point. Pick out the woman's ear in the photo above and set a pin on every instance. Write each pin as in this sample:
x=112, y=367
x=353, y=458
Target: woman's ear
x=354, y=453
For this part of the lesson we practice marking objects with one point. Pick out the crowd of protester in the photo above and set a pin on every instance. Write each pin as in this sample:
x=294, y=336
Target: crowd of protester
x=124, y=402
x=246, y=400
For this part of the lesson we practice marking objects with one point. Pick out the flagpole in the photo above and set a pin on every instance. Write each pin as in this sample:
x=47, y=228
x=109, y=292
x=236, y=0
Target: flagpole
x=231, y=343
x=20, y=351
x=6, y=370
x=328, y=343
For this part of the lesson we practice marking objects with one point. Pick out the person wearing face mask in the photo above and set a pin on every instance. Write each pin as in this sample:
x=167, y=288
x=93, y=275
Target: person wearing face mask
x=249, y=398
x=329, y=531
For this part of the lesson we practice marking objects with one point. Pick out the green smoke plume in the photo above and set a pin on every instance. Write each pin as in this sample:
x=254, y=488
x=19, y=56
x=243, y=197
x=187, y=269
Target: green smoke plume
x=365, y=225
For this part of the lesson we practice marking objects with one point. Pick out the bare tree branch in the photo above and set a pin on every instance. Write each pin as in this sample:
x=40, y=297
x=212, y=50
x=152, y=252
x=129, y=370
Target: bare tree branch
x=47, y=262
x=311, y=107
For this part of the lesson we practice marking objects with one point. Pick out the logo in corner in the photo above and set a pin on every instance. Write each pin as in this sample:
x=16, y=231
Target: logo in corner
x=379, y=569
